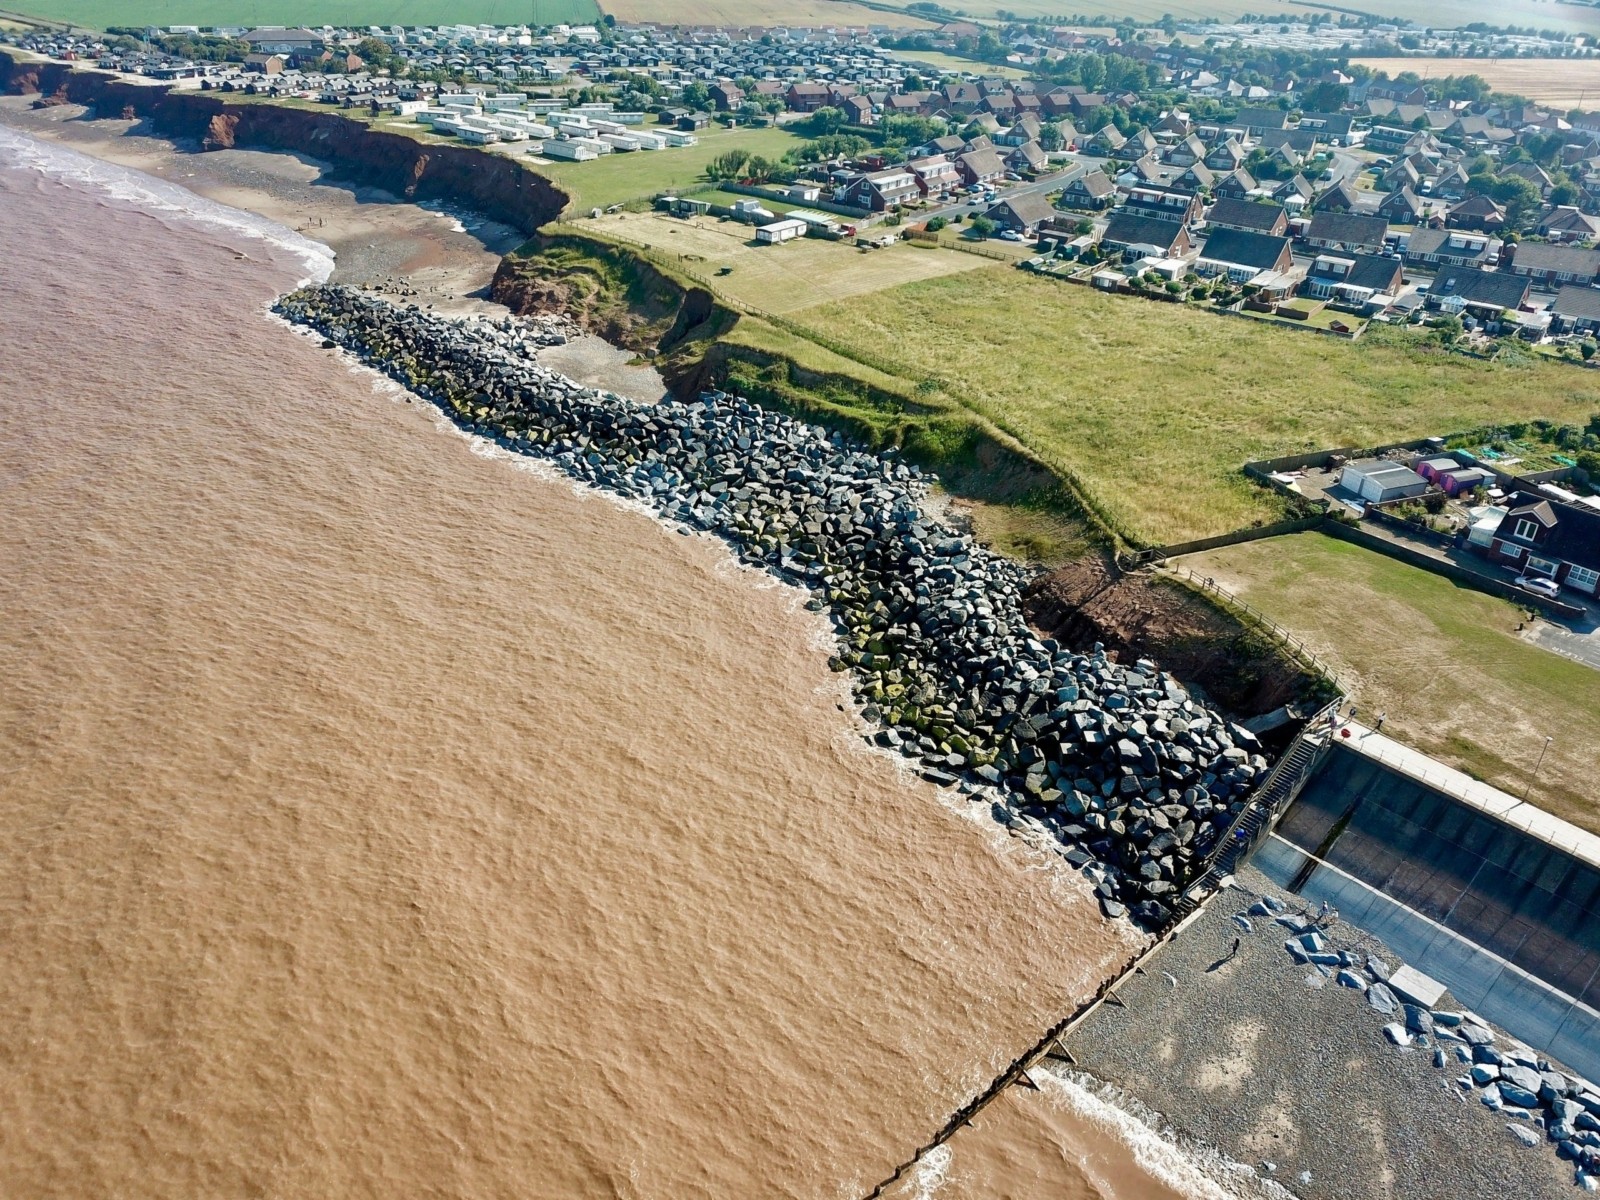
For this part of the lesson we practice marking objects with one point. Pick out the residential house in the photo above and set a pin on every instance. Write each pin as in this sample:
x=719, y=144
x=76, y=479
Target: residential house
x=1027, y=158
x=1569, y=224
x=1241, y=255
x=1107, y=142
x=1197, y=178
x=1294, y=193
x=806, y=97
x=1091, y=190
x=1136, y=146
x=1024, y=213
x=1256, y=121
x=1225, y=156
x=1576, y=309
x=1236, y=184
x=1340, y=198
x=1549, y=538
x=980, y=166
x=949, y=146
x=1352, y=279
x=1136, y=236
x=1483, y=294
x=879, y=190
x=936, y=176
x=1248, y=216
x=265, y=64
x=1555, y=264
x=1533, y=173
x=1026, y=130
x=1166, y=203
x=1347, y=232
x=1451, y=248
x=1404, y=174
x=288, y=42
x=1335, y=129
x=1476, y=212
x=1186, y=152
x=1401, y=207
x=858, y=110
x=726, y=96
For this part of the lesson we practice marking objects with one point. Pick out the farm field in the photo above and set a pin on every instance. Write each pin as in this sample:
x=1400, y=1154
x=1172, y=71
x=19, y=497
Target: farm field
x=1561, y=83
x=98, y=14
x=1395, y=633
x=616, y=178
x=1541, y=14
x=1154, y=408
x=779, y=279
x=758, y=12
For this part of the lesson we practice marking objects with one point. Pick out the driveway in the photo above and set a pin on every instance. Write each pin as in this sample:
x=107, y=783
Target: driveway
x=1578, y=640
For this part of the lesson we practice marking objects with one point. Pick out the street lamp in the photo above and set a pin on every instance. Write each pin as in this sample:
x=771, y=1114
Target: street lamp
x=1536, y=767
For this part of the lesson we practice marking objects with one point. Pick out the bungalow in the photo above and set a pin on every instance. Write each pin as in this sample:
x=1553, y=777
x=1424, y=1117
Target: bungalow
x=1241, y=255
x=1451, y=248
x=1354, y=279
x=1568, y=224
x=1378, y=480
x=1401, y=207
x=980, y=166
x=1476, y=212
x=1558, y=541
x=949, y=145
x=1091, y=190
x=879, y=191
x=1248, y=217
x=1347, y=232
x=1575, y=310
x=1023, y=214
x=1341, y=197
x=1556, y=264
x=1336, y=129
x=1136, y=236
x=1484, y=293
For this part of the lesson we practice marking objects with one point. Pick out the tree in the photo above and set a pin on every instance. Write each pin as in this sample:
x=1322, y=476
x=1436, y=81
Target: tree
x=824, y=121
x=728, y=165
x=1447, y=330
x=1050, y=138
x=983, y=226
x=696, y=96
x=1520, y=197
x=935, y=224
x=1565, y=193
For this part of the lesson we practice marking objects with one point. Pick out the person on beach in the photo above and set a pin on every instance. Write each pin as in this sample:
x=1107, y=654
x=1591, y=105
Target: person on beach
x=1382, y=717
x=1237, y=942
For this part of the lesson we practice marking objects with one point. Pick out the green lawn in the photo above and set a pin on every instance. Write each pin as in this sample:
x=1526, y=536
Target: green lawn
x=955, y=65
x=1154, y=408
x=98, y=14
x=1445, y=663
x=616, y=178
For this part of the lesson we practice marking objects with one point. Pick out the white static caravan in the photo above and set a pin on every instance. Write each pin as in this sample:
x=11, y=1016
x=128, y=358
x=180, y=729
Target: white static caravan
x=408, y=108
x=432, y=116
x=607, y=126
x=648, y=140
x=505, y=102
x=812, y=218
x=618, y=143
x=571, y=149
x=781, y=231
x=459, y=100
x=677, y=137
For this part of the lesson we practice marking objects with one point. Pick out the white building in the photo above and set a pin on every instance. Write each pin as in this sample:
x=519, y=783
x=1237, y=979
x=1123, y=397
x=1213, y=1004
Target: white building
x=781, y=231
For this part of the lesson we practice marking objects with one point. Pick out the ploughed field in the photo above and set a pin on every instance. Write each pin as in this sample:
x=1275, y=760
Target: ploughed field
x=1154, y=408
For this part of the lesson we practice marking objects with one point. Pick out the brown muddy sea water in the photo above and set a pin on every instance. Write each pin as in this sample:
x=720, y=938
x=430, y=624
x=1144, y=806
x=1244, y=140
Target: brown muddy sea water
x=381, y=818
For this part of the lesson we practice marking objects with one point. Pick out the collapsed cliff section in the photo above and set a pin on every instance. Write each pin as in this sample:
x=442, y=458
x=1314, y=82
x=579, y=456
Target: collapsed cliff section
x=490, y=184
x=611, y=292
x=1143, y=615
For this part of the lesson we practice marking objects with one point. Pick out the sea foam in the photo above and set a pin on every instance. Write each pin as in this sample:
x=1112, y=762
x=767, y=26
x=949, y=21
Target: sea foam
x=23, y=152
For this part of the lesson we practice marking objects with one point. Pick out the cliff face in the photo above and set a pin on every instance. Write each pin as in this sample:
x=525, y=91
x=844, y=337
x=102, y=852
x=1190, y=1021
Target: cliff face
x=487, y=183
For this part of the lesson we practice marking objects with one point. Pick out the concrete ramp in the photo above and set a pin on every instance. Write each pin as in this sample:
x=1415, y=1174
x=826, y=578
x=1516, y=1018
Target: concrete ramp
x=1507, y=915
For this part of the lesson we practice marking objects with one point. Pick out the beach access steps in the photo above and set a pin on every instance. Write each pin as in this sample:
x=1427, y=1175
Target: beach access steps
x=1266, y=804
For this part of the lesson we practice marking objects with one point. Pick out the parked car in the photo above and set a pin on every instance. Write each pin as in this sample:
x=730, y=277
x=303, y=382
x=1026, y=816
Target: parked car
x=1539, y=585
x=1010, y=235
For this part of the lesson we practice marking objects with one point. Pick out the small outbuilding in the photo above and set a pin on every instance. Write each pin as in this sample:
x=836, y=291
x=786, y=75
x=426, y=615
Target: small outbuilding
x=781, y=231
x=1377, y=480
x=1465, y=479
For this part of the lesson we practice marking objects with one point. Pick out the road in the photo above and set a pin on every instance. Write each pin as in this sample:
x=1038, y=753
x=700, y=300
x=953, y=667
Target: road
x=1053, y=182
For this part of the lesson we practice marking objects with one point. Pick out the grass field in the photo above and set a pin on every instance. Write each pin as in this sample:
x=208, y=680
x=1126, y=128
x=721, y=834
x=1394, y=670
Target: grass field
x=616, y=178
x=98, y=14
x=1562, y=83
x=780, y=279
x=1155, y=407
x=758, y=12
x=1443, y=662
x=954, y=65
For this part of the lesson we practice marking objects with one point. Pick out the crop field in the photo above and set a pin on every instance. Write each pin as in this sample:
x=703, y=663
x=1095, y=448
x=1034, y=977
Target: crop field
x=1541, y=14
x=1393, y=632
x=779, y=279
x=617, y=178
x=98, y=14
x=758, y=12
x=1563, y=83
x=1155, y=407
x=954, y=65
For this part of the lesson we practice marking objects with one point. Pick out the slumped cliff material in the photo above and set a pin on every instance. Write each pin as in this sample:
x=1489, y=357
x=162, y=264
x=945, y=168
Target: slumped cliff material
x=1107, y=762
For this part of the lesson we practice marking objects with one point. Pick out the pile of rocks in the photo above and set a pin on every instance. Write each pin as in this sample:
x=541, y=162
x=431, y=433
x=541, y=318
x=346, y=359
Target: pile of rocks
x=1116, y=764
x=1506, y=1076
